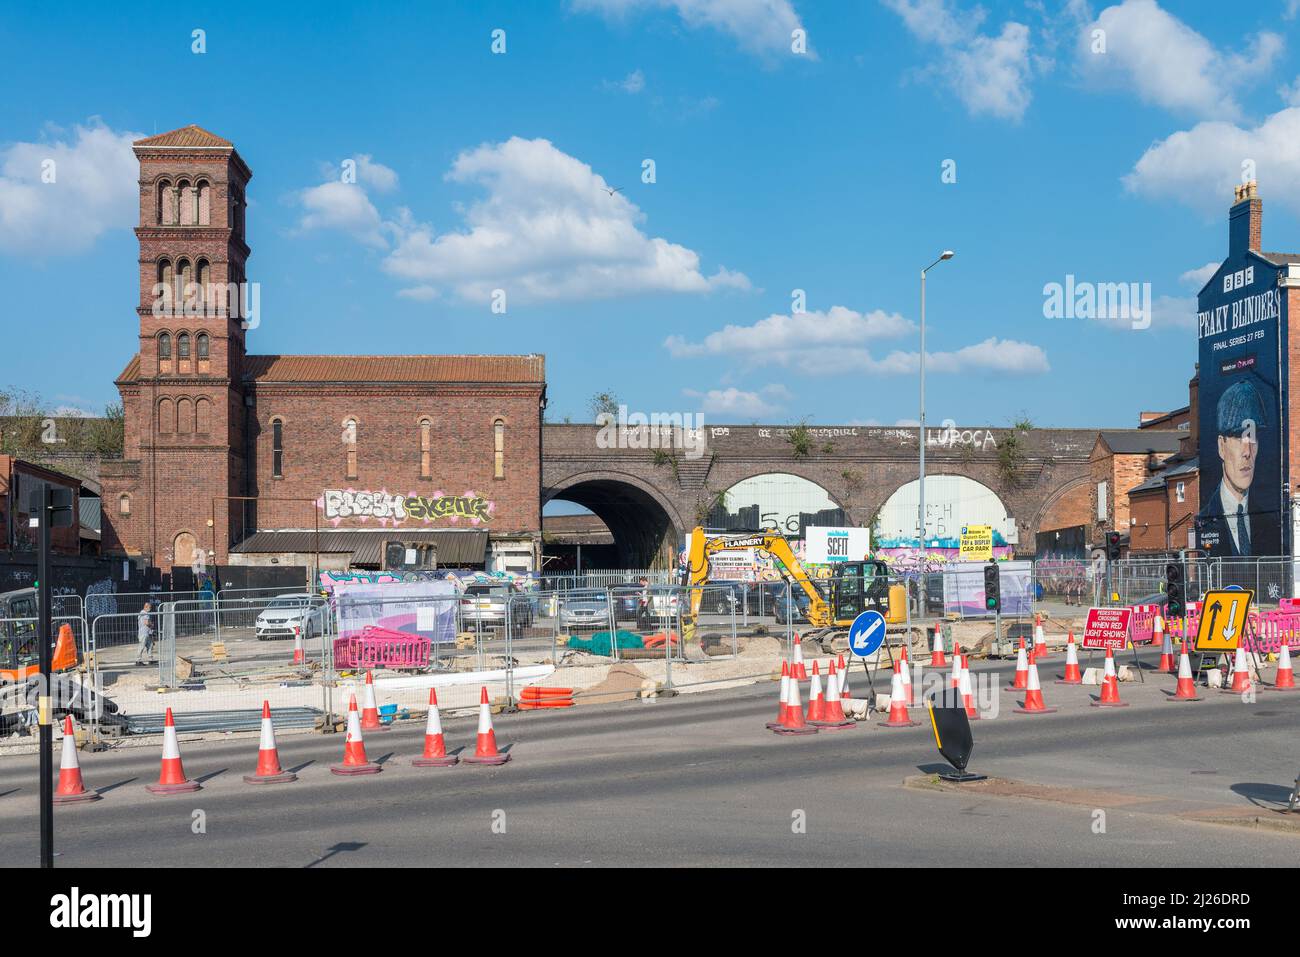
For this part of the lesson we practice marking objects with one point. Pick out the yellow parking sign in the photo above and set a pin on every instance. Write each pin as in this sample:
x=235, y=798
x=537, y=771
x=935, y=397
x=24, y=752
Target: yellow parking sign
x=976, y=543
x=1223, y=619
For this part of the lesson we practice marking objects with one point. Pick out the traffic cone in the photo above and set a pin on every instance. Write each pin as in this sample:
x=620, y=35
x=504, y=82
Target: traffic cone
x=816, y=703
x=967, y=695
x=1072, y=675
x=1109, y=686
x=785, y=696
x=1286, y=679
x=485, y=752
x=1040, y=639
x=172, y=780
x=1021, y=681
x=65, y=650
x=1034, y=694
x=1166, y=666
x=369, y=710
x=833, y=717
x=268, y=757
x=797, y=669
x=1240, y=673
x=793, y=722
x=435, y=748
x=1186, y=686
x=299, y=655
x=907, y=677
x=844, y=678
x=898, y=716
x=936, y=650
x=354, y=747
x=71, y=789
x=954, y=676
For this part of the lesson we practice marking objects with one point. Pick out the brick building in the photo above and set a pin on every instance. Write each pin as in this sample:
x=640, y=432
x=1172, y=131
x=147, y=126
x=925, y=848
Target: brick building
x=1121, y=462
x=231, y=457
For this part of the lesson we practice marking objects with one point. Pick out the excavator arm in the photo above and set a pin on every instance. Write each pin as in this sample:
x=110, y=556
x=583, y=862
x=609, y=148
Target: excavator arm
x=703, y=547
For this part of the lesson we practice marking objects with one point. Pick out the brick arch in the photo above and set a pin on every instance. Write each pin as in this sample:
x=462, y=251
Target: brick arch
x=1056, y=495
x=783, y=468
x=645, y=522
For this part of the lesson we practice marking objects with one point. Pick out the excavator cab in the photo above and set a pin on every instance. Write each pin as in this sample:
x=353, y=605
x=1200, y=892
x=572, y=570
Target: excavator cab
x=856, y=587
x=19, y=649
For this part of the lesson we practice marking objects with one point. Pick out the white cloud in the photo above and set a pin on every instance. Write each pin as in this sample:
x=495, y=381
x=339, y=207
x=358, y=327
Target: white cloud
x=94, y=189
x=1197, y=278
x=341, y=206
x=375, y=175
x=1169, y=64
x=1176, y=312
x=990, y=74
x=742, y=404
x=836, y=342
x=1290, y=93
x=419, y=293
x=548, y=228
x=760, y=26
x=1199, y=167
x=633, y=83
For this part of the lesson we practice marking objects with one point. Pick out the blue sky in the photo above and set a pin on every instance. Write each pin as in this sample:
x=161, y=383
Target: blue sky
x=775, y=171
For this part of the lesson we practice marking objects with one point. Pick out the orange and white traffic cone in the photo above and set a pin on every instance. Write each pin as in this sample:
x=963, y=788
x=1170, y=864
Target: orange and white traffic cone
x=1021, y=681
x=936, y=649
x=1186, y=686
x=1240, y=673
x=797, y=669
x=906, y=670
x=1109, y=686
x=1040, y=639
x=435, y=747
x=485, y=751
x=784, y=697
x=954, y=676
x=898, y=716
x=268, y=756
x=1285, y=680
x=369, y=710
x=816, y=703
x=1072, y=674
x=1166, y=666
x=71, y=789
x=844, y=678
x=833, y=716
x=793, y=722
x=299, y=655
x=967, y=694
x=172, y=780
x=1033, y=703
x=354, y=747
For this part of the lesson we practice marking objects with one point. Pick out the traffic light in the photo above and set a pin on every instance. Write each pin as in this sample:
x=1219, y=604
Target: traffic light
x=1112, y=546
x=1174, y=594
x=992, y=588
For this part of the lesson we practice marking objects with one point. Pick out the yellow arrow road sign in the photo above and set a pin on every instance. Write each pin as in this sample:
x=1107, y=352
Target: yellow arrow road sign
x=1223, y=619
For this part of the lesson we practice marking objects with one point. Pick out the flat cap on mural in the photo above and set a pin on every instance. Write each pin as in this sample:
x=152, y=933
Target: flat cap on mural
x=1239, y=403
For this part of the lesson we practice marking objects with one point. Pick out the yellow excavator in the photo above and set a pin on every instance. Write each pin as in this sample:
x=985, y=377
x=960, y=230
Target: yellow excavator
x=833, y=603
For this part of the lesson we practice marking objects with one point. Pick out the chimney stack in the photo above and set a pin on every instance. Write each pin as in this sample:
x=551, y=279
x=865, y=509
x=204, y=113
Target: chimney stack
x=1244, y=230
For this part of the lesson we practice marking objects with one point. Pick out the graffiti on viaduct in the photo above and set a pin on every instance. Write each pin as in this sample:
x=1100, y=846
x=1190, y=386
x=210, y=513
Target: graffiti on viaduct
x=650, y=499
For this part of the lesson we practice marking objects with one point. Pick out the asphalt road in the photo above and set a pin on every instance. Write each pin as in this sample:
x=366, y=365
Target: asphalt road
x=697, y=780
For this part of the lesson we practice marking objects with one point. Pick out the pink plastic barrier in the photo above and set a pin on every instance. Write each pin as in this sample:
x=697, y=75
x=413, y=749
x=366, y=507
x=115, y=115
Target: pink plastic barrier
x=1141, y=623
x=1276, y=627
x=376, y=647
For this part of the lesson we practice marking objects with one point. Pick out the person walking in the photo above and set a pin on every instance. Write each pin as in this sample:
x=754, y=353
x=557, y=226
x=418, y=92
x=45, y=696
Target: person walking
x=145, y=636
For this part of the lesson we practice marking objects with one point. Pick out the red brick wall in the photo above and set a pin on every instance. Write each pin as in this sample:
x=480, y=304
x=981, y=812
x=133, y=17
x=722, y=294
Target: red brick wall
x=1148, y=532
x=1070, y=510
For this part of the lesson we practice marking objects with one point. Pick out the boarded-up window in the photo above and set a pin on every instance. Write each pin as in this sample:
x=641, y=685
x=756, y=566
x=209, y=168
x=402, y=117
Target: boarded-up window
x=166, y=415
x=499, y=448
x=203, y=416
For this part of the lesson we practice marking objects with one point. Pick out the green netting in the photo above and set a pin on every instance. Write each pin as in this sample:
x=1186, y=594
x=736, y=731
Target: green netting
x=599, y=642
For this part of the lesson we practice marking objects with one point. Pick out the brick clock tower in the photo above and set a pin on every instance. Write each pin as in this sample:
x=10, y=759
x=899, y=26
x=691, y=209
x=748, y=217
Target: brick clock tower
x=182, y=393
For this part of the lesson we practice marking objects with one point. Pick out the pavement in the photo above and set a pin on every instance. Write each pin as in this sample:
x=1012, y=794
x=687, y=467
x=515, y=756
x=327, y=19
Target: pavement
x=696, y=780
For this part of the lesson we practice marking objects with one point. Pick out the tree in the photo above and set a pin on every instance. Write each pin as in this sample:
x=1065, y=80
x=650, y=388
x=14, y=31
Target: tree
x=603, y=403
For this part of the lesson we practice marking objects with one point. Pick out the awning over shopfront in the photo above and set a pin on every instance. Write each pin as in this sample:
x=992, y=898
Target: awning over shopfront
x=456, y=548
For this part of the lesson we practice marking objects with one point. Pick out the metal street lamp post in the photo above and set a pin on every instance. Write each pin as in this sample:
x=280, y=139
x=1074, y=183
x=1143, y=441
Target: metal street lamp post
x=921, y=602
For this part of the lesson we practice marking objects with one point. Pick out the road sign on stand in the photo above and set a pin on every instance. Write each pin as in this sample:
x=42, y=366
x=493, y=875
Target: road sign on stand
x=867, y=633
x=1106, y=628
x=1223, y=619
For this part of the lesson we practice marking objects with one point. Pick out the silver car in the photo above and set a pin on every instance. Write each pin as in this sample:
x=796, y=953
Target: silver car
x=580, y=610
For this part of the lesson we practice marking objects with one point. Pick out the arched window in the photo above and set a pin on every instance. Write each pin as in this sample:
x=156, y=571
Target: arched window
x=185, y=285
x=426, y=435
x=201, y=345
x=203, y=416
x=184, y=548
x=185, y=198
x=204, y=217
x=183, y=346
x=164, y=346
x=124, y=504
x=167, y=280
x=277, y=448
x=166, y=416
x=166, y=203
x=499, y=448
x=184, y=416
x=204, y=283
x=350, y=444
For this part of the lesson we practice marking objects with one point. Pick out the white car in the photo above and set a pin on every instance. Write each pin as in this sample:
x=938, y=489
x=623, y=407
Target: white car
x=285, y=616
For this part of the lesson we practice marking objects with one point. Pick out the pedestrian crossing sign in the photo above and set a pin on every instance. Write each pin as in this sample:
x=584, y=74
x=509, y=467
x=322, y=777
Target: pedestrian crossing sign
x=1223, y=619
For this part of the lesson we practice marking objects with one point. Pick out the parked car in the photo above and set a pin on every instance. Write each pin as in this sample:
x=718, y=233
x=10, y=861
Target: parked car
x=791, y=609
x=661, y=604
x=719, y=598
x=484, y=606
x=288, y=615
x=584, y=609
x=627, y=600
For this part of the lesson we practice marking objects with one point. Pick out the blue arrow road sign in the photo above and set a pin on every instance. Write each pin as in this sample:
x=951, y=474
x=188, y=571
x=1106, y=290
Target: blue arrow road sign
x=867, y=633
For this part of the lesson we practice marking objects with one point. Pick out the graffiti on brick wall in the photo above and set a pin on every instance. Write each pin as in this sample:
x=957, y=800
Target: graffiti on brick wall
x=101, y=598
x=385, y=508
